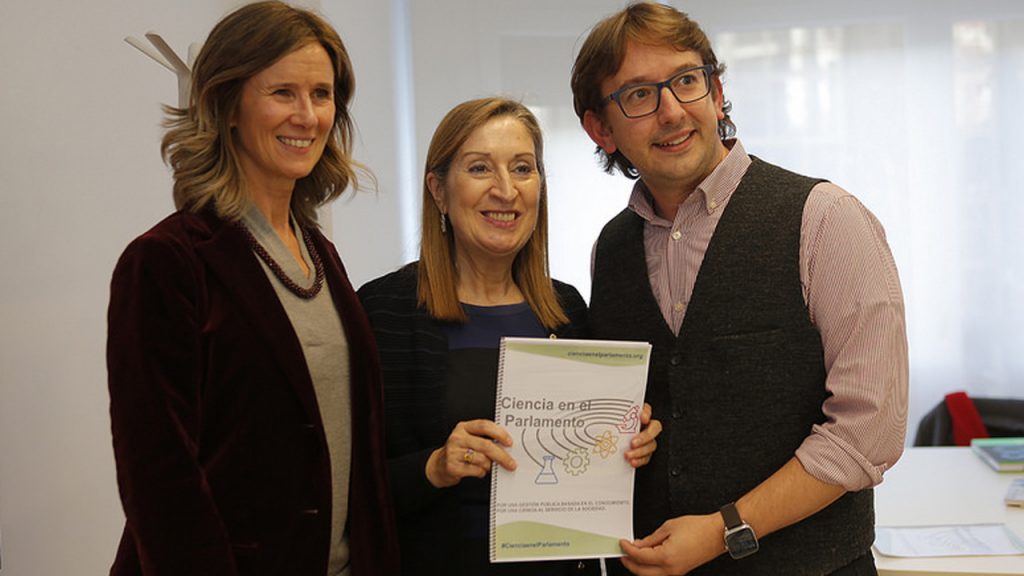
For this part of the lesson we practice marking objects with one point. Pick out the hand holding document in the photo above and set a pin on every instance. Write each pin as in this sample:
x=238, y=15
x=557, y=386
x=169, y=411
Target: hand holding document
x=572, y=407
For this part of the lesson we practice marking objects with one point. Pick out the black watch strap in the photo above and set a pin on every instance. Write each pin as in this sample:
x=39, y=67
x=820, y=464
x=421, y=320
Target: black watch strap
x=730, y=515
x=740, y=539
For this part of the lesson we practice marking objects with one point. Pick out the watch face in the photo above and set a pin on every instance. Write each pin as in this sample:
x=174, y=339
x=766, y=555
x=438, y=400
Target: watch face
x=741, y=541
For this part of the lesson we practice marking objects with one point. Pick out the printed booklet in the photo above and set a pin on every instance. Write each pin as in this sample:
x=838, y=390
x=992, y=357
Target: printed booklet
x=571, y=406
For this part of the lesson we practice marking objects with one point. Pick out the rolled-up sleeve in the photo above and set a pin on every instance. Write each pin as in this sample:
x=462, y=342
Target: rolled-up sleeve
x=855, y=300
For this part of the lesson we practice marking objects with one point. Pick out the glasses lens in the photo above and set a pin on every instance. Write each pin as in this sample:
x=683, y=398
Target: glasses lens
x=687, y=86
x=690, y=85
x=639, y=100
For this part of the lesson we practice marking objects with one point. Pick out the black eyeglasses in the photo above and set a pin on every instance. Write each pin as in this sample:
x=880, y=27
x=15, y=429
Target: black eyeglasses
x=686, y=86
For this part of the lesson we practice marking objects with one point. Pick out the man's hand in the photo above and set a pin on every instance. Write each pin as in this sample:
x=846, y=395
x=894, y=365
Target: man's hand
x=678, y=546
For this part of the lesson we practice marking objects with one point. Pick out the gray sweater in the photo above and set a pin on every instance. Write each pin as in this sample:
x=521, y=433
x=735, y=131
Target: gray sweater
x=318, y=328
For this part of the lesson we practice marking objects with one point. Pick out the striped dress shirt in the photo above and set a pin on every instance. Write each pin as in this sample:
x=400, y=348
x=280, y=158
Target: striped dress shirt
x=853, y=294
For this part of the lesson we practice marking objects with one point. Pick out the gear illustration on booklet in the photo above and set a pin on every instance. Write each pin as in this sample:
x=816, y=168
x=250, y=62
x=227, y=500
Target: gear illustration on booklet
x=592, y=428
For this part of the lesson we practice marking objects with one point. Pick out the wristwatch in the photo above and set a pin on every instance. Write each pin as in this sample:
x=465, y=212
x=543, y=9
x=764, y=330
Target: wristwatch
x=740, y=539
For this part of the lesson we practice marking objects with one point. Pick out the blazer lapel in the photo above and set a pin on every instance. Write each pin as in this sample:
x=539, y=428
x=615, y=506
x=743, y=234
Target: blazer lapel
x=364, y=364
x=353, y=318
x=229, y=256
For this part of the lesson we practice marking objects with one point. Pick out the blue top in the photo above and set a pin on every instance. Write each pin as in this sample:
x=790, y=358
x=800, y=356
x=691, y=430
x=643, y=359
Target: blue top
x=487, y=324
x=472, y=384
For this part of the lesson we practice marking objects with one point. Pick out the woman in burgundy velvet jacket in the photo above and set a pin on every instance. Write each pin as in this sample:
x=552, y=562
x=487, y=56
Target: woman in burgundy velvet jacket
x=244, y=380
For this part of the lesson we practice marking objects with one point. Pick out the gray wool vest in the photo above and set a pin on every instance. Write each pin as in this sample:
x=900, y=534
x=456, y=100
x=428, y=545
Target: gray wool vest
x=740, y=387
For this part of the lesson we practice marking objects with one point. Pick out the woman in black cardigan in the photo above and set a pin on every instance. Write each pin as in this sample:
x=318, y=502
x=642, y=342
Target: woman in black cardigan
x=482, y=274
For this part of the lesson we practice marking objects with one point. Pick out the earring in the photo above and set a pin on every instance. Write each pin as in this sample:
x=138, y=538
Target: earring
x=444, y=227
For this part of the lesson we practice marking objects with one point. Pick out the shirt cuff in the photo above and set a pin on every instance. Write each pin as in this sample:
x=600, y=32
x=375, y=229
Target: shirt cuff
x=832, y=460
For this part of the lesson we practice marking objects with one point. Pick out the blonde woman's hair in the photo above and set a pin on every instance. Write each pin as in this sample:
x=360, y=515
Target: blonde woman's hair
x=438, y=278
x=199, y=144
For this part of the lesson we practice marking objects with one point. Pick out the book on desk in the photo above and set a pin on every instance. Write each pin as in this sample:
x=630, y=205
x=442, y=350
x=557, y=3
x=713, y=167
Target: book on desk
x=1002, y=454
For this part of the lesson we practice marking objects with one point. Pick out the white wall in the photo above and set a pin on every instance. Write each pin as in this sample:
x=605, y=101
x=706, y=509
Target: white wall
x=80, y=174
x=376, y=229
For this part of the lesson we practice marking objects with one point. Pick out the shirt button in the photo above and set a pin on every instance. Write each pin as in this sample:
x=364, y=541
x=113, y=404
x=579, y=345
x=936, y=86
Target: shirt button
x=678, y=307
x=712, y=205
x=676, y=234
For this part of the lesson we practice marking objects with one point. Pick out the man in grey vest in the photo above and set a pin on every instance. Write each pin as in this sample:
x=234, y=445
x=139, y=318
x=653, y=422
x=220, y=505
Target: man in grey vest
x=779, y=366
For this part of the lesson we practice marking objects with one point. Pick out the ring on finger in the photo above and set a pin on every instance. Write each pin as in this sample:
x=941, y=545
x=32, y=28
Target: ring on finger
x=468, y=456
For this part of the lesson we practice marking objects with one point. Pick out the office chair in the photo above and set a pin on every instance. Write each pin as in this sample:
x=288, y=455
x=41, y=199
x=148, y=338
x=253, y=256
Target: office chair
x=951, y=422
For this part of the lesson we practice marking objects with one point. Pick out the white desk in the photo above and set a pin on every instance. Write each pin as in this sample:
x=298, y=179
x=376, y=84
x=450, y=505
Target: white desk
x=937, y=486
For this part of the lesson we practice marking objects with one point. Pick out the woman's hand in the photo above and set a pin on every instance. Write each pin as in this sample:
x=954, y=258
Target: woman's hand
x=642, y=446
x=469, y=451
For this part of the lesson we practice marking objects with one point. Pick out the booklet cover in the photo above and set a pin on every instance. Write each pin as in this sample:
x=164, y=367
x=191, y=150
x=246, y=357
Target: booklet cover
x=571, y=406
x=1002, y=454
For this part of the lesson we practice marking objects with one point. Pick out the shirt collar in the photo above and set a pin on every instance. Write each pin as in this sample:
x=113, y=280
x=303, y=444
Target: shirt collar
x=712, y=192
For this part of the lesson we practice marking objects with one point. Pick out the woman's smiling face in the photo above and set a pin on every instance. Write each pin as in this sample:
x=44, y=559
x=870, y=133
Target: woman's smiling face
x=284, y=118
x=492, y=191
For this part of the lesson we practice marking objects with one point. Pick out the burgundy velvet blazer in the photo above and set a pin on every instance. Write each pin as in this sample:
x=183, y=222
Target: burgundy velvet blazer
x=222, y=461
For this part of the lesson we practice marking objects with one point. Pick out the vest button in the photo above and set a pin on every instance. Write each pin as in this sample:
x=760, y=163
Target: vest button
x=677, y=470
x=677, y=414
x=675, y=360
